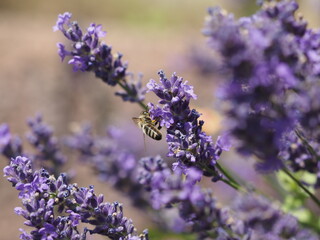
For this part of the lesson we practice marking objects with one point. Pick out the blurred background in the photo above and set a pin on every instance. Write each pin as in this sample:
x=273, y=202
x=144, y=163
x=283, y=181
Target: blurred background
x=152, y=35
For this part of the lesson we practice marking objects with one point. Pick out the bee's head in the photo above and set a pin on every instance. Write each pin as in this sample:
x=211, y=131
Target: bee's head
x=145, y=113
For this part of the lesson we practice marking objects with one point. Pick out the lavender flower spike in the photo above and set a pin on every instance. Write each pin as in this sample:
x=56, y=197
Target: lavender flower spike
x=54, y=208
x=41, y=195
x=250, y=217
x=267, y=221
x=196, y=207
x=10, y=146
x=111, y=162
x=89, y=54
x=41, y=137
x=186, y=140
x=268, y=56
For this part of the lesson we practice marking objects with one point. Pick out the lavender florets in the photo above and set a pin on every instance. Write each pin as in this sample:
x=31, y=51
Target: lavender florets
x=41, y=194
x=249, y=217
x=111, y=162
x=89, y=54
x=302, y=155
x=44, y=198
x=266, y=221
x=10, y=146
x=197, y=207
x=49, y=154
x=188, y=144
x=268, y=56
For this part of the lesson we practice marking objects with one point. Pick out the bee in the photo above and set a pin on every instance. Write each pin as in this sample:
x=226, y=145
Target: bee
x=148, y=126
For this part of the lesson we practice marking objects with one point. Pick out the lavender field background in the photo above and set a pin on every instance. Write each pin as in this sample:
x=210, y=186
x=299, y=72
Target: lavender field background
x=151, y=35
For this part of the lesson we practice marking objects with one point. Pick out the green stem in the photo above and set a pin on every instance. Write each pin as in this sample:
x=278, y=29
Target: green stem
x=227, y=174
x=228, y=180
x=306, y=190
x=306, y=144
x=231, y=184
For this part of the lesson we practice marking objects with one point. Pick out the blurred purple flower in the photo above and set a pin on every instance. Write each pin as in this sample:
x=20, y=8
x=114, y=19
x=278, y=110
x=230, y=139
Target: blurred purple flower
x=10, y=146
x=267, y=58
x=266, y=221
x=249, y=217
x=300, y=148
x=5, y=135
x=110, y=160
x=203, y=61
x=196, y=207
x=307, y=106
x=89, y=54
x=49, y=154
x=134, y=87
x=301, y=156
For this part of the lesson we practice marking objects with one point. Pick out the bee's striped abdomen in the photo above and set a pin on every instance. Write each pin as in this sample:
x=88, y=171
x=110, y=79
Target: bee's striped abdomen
x=152, y=132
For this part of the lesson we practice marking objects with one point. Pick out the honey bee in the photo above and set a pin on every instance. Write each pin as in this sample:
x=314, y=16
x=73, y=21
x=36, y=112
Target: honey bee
x=148, y=126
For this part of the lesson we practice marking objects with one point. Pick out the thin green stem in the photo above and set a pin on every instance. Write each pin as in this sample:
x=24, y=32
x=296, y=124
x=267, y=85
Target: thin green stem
x=231, y=184
x=228, y=180
x=306, y=190
x=227, y=174
x=306, y=144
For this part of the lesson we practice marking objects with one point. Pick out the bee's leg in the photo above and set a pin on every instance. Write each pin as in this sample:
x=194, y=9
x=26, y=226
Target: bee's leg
x=144, y=143
x=155, y=123
x=159, y=127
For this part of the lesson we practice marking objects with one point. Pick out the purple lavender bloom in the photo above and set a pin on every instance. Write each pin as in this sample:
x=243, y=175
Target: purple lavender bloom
x=89, y=54
x=250, y=217
x=307, y=105
x=44, y=197
x=187, y=142
x=203, y=61
x=310, y=45
x=49, y=154
x=266, y=221
x=20, y=171
x=267, y=58
x=40, y=193
x=107, y=218
x=5, y=135
x=197, y=207
x=301, y=147
x=111, y=162
x=134, y=89
x=83, y=141
x=10, y=146
x=301, y=155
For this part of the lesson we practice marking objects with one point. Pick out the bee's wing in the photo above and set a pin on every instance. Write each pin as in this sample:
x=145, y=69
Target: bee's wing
x=135, y=120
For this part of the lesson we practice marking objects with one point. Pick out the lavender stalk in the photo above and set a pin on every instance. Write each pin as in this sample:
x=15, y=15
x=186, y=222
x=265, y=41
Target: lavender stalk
x=10, y=146
x=88, y=53
x=306, y=190
x=49, y=154
x=54, y=208
x=271, y=90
